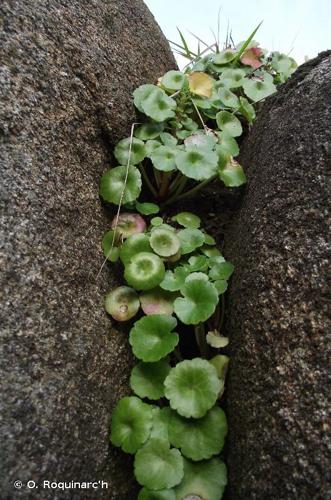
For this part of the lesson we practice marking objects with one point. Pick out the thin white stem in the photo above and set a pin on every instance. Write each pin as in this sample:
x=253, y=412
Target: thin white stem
x=121, y=200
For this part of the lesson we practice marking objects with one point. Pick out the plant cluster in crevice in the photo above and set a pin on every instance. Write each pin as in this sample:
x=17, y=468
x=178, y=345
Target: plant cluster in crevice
x=174, y=275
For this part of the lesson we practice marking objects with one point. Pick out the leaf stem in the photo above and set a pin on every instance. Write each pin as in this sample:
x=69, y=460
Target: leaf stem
x=148, y=182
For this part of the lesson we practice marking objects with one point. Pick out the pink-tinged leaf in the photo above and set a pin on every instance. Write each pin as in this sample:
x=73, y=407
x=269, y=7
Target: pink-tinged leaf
x=251, y=57
x=128, y=224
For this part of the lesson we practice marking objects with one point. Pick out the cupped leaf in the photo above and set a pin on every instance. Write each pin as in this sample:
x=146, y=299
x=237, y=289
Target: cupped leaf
x=157, y=301
x=192, y=387
x=148, y=131
x=216, y=340
x=210, y=251
x=199, y=300
x=160, y=426
x=283, y=64
x=147, y=379
x=131, y=424
x=174, y=280
x=122, y=303
x=200, y=140
x=246, y=109
x=147, y=208
x=200, y=83
x=164, y=242
x=232, y=174
x=163, y=158
x=187, y=219
x=190, y=239
x=197, y=263
x=230, y=123
x=152, y=337
x=168, y=139
x=251, y=57
x=157, y=105
x=122, y=151
x=257, y=89
x=133, y=245
x=156, y=221
x=173, y=80
x=157, y=467
x=146, y=494
x=197, y=164
x=209, y=240
x=114, y=181
x=228, y=143
x=109, y=246
x=202, y=481
x=221, y=286
x=144, y=271
x=141, y=94
x=228, y=98
x=223, y=57
x=151, y=145
x=221, y=271
x=199, y=439
x=221, y=364
x=232, y=78
x=127, y=224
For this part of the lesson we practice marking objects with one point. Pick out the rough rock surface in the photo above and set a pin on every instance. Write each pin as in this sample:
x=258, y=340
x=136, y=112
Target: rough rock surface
x=278, y=387
x=68, y=69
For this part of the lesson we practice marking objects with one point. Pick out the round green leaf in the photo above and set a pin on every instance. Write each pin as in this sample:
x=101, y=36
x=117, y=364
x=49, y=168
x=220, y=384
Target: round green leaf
x=197, y=263
x=142, y=93
x=221, y=363
x=229, y=99
x=210, y=251
x=157, y=301
x=228, y=143
x=160, y=426
x=164, y=242
x=144, y=271
x=209, y=240
x=221, y=286
x=199, y=300
x=199, y=439
x=202, y=481
x=147, y=208
x=146, y=494
x=200, y=140
x=173, y=80
x=197, y=164
x=227, y=121
x=156, y=221
x=122, y=151
x=221, y=271
x=131, y=424
x=133, y=245
x=158, y=467
x=152, y=337
x=147, y=379
x=113, y=182
x=232, y=174
x=122, y=303
x=232, y=78
x=163, y=158
x=187, y=219
x=174, y=280
x=216, y=340
x=246, y=109
x=224, y=57
x=150, y=146
x=110, y=250
x=148, y=131
x=192, y=387
x=157, y=105
x=190, y=239
x=168, y=139
x=257, y=90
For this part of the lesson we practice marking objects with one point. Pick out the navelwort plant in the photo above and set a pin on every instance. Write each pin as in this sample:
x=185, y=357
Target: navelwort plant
x=175, y=277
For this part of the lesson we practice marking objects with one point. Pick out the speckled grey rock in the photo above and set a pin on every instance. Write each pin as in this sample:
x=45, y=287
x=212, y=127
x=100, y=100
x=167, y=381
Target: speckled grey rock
x=279, y=386
x=68, y=69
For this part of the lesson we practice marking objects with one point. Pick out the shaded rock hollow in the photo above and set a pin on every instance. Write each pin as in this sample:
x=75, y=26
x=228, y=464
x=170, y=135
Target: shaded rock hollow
x=68, y=69
x=279, y=385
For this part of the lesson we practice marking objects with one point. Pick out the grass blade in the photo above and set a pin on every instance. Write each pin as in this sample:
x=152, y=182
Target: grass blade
x=188, y=51
x=245, y=45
